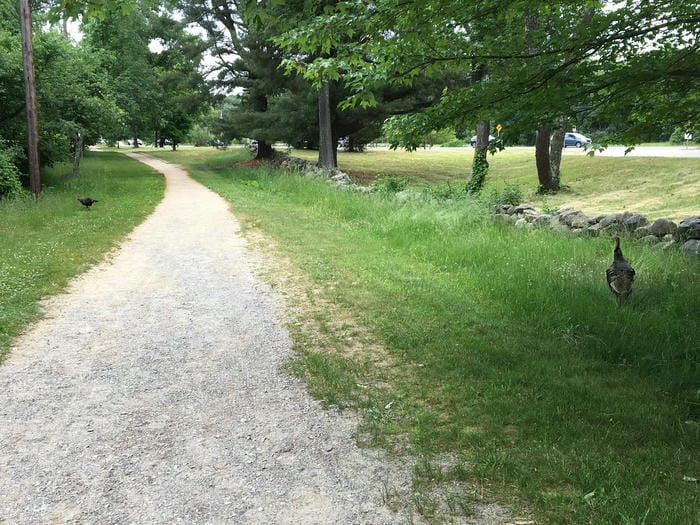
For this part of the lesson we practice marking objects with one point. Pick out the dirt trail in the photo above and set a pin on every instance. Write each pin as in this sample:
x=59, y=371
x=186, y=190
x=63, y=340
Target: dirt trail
x=152, y=393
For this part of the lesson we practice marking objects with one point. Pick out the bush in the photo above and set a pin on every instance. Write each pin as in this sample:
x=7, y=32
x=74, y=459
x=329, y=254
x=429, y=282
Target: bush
x=10, y=185
x=511, y=194
x=678, y=136
x=548, y=208
x=444, y=191
x=390, y=184
x=454, y=143
x=200, y=136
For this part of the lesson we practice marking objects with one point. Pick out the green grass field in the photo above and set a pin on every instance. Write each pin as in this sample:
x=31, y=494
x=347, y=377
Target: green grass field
x=46, y=242
x=496, y=356
x=655, y=187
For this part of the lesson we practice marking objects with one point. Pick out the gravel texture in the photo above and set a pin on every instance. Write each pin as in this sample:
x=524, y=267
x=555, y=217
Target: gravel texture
x=151, y=392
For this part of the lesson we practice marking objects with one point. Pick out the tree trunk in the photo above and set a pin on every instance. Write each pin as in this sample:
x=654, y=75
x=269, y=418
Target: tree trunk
x=480, y=166
x=78, y=142
x=30, y=96
x=542, y=158
x=482, y=136
x=556, y=147
x=264, y=150
x=327, y=147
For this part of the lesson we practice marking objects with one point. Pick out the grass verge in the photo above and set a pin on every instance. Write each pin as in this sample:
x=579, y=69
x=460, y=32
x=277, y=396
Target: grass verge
x=46, y=242
x=656, y=187
x=505, y=365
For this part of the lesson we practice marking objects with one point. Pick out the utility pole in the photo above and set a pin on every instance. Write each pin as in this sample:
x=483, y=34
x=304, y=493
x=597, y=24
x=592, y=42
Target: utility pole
x=25, y=19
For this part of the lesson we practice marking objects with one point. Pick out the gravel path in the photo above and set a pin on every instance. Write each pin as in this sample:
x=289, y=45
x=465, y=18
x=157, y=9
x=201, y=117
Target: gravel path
x=152, y=393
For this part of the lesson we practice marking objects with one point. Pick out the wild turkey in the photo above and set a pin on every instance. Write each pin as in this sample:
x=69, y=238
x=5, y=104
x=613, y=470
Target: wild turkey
x=620, y=275
x=87, y=201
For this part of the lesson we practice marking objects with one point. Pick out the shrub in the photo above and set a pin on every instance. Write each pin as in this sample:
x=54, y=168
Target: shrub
x=454, y=143
x=678, y=136
x=390, y=184
x=200, y=136
x=511, y=194
x=444, y=191
x=10, y=185
x=548, y=208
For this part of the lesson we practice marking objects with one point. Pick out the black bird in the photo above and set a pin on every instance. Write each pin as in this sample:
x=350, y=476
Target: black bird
x=87, y=201
x=620, y=275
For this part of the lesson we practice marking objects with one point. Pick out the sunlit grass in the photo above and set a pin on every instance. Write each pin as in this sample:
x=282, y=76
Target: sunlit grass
x=506, y=353
x=46, y=242
x=656, y=187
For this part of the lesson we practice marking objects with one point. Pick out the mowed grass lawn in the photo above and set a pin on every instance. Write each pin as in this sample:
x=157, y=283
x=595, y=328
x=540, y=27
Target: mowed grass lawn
x=495, y=356
x=656, y=187
x=48, y=241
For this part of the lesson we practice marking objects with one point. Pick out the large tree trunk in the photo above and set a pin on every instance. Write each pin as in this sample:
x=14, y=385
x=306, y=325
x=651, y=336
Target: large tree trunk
x=548, y=153
x=542, y=158
x=556, y=147
x=480, y=166
x=327, y=146
x=264, y=150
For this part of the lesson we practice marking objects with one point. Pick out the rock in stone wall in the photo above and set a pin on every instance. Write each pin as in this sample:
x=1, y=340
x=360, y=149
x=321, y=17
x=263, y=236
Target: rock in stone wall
x=688, y=229
x=312, y=169
x=662, y=233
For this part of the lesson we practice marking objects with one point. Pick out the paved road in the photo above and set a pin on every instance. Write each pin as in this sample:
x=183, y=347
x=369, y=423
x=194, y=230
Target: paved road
x=644, y=151
x=613, y=151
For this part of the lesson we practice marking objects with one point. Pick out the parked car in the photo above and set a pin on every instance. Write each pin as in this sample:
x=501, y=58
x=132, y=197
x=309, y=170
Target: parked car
x=473, y=140
x=576, y=140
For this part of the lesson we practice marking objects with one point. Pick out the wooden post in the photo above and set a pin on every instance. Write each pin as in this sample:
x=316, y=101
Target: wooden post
x=25, y=14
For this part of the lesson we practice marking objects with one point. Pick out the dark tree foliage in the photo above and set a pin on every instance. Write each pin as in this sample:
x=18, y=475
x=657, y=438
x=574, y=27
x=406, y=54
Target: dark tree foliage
x=246, y=62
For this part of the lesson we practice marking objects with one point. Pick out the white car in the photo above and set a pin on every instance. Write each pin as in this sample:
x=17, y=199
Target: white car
x=473, y=140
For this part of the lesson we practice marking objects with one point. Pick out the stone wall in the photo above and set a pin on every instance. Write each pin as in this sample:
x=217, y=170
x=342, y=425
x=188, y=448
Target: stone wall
x=307, y=167
x=663, y=234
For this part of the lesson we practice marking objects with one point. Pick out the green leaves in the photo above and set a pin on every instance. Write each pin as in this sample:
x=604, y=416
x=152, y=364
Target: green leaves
x=10, y=185
x=561, y=61
x=63, y=9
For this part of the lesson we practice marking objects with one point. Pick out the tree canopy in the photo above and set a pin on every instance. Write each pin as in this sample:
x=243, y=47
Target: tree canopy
x=542, y=60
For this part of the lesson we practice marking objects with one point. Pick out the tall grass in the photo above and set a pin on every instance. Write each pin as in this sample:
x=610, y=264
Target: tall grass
x=46, y=242
x=507, y=353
